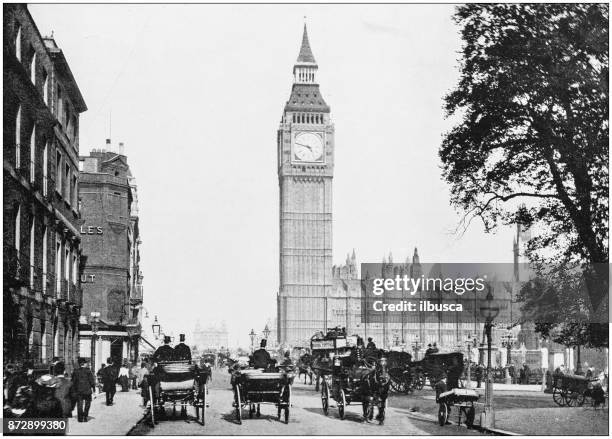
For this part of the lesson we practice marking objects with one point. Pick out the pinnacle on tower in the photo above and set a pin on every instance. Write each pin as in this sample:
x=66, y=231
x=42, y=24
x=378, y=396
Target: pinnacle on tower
x=305, y=55
x=390, y=258
x=415, y=256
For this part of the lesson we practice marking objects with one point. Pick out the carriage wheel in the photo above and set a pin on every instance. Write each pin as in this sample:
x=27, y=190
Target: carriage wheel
x=325, y=397
x=152, y=406
x=574, y=399
x=559, y=396
x=341, y=403
x=442, y=414
x=238, y=406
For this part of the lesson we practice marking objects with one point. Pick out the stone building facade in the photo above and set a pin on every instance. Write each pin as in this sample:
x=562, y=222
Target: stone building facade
x=112, y=280
x=210, y=337
x=42, y=243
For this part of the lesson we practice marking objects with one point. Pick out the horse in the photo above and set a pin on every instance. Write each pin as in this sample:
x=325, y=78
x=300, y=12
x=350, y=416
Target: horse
x=374, y=388
x=304, y=366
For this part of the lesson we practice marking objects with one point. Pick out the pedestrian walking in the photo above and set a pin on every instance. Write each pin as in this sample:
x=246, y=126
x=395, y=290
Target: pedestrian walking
x=124, y=378
x=63, y=390
x=134, y=376
x=109, y=381
x=83, y=383
x=45, y=403
x=479, y=372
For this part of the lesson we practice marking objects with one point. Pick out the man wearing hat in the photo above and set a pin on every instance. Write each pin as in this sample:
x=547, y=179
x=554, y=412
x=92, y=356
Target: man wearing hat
x=181, y=350
x=83, y=383
x=261, y=357
x=164, y=352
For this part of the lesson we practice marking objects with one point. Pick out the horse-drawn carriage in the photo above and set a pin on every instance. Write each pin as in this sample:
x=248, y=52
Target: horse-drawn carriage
x=352, y=380
x=406, y=376
x=575, y=390
x=253, y=387
x=432, y=366
x=179, y=383
x=323, y=348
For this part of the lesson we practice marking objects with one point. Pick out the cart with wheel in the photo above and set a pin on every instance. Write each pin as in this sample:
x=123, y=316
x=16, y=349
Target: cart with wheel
x=572, y=390
x=253, y=387
x=463, y=399
x=177, y=383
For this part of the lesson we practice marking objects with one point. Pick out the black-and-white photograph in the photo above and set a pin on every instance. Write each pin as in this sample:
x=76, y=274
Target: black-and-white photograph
x=299, y=219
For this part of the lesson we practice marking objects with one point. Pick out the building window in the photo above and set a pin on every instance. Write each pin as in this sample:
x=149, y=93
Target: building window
x=67, y=183
x=55, y=340
x=43, y=341
x=18, y=44
x=18, y=230
x=18, y=139
x=33, y=155
x=32, y=251
x=45, y=89
x=45, y=170
x=73, y=190
x=33, y=68
x=81, y=165
x=60, y=105
x=67, y=270
x=44, y=260
x=58, y=172
x=75, y=268
x=58, y=269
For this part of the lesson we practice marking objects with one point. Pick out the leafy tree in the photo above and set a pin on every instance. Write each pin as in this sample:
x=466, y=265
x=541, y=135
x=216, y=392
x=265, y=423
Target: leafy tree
x=531, y=144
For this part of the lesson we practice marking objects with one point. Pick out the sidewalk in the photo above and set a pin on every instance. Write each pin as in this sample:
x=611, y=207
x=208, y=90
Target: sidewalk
x=115, y=420
x=510, y=387
x=557, y=421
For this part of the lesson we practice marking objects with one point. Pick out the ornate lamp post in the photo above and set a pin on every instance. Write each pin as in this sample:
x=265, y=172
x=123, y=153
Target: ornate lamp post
x=156, y=328
x=488, y=311
x=94, y=321
x=416, y=347
x=469, y=355
x=508, y=340
x=252, y=335
x=266, y=332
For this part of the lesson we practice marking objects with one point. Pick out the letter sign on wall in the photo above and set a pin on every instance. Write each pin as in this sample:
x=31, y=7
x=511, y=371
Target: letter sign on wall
x=91, y=230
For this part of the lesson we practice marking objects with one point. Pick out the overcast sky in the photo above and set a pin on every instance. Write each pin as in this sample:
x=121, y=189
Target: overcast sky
x=196, y=93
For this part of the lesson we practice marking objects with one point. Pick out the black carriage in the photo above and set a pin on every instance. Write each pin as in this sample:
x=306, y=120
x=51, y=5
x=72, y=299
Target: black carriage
x=253, y=387
x=323, y=348
x=463, y=399
x=179, y=383
x=405, y=376
x=432, y=366
x=351, y=382
x=575, y=390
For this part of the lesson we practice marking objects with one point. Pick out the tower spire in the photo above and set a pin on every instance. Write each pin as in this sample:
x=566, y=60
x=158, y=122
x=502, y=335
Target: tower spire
x=305, y=55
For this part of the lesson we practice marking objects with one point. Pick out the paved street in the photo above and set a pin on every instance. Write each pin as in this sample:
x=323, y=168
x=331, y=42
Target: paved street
x=306, y=418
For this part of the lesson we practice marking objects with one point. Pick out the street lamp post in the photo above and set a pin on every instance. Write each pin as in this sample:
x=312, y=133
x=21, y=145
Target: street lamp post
x=266, y=332
x=507, y=342
x=469, y=368
x=252, y=335
x=416, y=347
x=156, y=328
x=94, y=321
x=488, y=311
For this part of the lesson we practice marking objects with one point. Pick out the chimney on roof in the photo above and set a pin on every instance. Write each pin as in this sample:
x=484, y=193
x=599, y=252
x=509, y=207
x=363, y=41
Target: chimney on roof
x=121, y=149
x=108, y=147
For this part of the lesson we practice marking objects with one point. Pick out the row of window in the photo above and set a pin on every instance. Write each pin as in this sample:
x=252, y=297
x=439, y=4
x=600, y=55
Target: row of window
x=39, y=351
x=63, y=112
x=307, y=118
x=65, y=177
x=66, y=257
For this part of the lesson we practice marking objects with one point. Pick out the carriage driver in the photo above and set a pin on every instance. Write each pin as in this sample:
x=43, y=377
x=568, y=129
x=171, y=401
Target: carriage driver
x=182, y=352
x=261, y=358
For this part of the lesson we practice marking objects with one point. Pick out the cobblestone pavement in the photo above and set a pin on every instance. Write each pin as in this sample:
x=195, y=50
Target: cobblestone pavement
x=115, y=420
x=306, y=418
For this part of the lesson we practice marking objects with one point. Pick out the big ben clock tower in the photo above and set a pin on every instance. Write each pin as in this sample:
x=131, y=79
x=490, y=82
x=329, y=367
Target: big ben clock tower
x=305, y=170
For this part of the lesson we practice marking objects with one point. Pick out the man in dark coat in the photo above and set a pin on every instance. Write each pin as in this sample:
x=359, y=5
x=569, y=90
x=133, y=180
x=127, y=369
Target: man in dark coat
x=261, y=357
x=84, y=384
x=109, y=380
x=165, y=352
x=371, y=345
x=182, y=352
x=63, y=389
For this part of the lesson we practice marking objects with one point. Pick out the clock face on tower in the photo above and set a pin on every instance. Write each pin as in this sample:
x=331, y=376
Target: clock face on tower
x=308, y=147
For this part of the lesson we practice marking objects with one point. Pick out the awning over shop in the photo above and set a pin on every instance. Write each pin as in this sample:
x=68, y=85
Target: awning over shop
x=145, y=344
